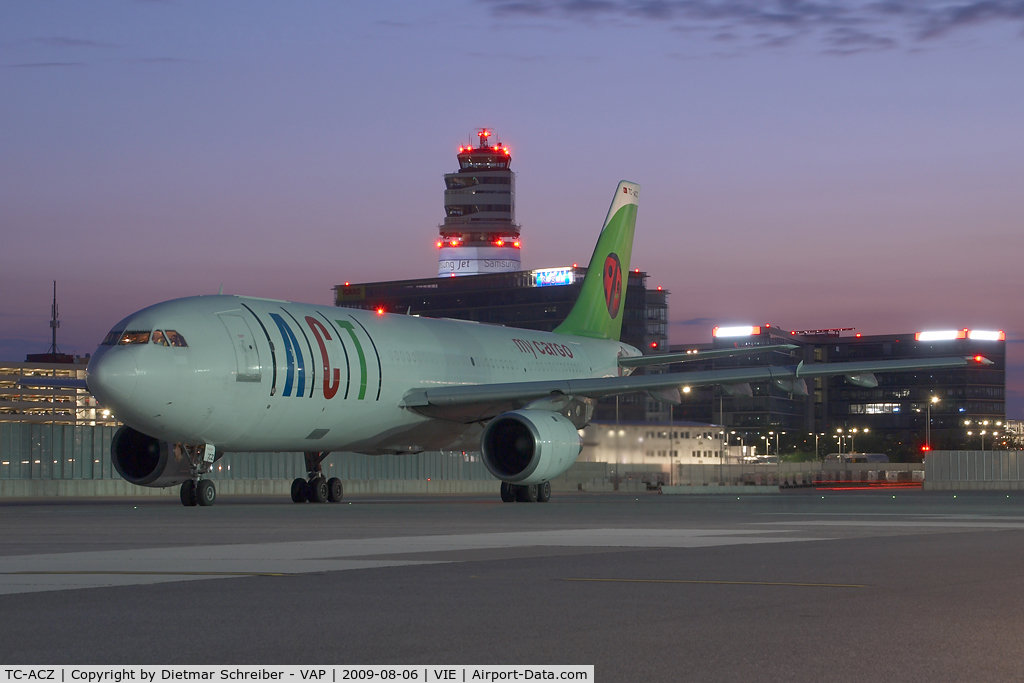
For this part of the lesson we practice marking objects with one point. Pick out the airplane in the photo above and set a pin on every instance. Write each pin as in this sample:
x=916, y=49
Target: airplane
x=194, y=378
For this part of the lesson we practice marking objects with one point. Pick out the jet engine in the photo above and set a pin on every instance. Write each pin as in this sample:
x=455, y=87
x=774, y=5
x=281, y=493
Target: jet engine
x=529, y=446
x=146, y=461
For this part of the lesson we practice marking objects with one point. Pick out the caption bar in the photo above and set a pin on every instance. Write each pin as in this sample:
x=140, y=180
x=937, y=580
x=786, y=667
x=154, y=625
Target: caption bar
x=294, y=674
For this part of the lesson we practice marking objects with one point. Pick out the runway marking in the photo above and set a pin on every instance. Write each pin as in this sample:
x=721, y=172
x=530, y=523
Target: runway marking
x=139, y=566
x=128, y=573
x=924, y=524
x=729, y=583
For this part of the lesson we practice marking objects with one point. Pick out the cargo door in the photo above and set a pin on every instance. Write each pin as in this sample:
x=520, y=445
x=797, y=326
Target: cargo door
x=246, y=353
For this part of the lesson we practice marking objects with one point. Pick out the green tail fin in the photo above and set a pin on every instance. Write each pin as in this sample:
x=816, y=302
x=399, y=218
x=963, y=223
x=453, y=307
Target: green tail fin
x=598, y=310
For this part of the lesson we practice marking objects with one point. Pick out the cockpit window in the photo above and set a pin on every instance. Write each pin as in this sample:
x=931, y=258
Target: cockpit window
x=112, y=336
x=159, y=338
x=133, y=337
x=175, y=338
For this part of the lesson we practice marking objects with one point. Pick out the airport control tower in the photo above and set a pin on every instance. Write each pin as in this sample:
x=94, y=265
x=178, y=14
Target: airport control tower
x=479, y=234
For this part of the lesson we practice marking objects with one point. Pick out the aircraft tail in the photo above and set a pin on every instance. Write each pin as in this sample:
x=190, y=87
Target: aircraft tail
x=599, y=307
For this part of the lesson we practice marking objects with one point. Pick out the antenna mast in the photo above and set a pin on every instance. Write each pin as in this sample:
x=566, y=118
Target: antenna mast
x=54, y=322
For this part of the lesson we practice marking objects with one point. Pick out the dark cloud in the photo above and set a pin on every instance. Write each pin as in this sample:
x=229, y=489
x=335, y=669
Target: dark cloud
x=840, y=26
x=957, y=15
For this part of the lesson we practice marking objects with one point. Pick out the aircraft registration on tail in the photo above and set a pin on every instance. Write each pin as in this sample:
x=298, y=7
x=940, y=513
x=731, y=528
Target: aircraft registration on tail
x=194, y=378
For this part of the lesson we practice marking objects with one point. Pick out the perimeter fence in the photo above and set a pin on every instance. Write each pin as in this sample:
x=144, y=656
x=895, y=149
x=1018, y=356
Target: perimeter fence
x=82, y=452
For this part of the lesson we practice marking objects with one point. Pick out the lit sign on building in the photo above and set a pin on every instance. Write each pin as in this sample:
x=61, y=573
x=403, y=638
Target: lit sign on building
x=987, y=335
x=553, y=276
x=745, y=331
x=949, y=335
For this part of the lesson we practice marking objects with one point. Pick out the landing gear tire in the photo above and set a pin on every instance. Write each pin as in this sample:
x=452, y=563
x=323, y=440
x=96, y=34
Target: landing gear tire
x=318, y=491
x=335, y=491
x=508, y=492
x=544, y=492
x=527, y=494
x=206, y=492
x=298, y=490
x=188, y=494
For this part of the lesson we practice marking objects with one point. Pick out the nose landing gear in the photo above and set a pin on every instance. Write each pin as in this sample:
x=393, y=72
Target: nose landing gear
x=198, y=491
x=316, y=488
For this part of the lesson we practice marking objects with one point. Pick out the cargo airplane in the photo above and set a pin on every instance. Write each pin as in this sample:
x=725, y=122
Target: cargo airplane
x=194, y=378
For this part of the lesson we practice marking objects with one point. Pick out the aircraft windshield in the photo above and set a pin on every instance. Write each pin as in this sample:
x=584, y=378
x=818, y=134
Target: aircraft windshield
x=133, y=337
x=159, y=338
x=112, y=336
x=174, y=338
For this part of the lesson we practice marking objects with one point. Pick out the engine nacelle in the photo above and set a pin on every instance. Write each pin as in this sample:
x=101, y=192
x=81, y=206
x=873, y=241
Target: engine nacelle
x=529, y=446
x=146, y=461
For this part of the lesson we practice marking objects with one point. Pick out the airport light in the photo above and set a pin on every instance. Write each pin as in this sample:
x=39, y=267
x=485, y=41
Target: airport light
x=853, y=434
x=736, y=331
x=928, y=422
x=816, y=435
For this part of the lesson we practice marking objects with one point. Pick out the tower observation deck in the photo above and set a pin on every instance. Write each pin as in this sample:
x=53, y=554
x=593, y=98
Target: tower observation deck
x=479, y=233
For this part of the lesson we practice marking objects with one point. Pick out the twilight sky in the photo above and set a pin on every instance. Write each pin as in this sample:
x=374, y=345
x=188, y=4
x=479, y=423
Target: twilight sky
x=838, y=163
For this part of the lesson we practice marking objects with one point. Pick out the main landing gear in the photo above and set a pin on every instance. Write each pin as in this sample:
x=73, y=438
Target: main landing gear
x=316, y=488
x=536, y=493
x=198, y=491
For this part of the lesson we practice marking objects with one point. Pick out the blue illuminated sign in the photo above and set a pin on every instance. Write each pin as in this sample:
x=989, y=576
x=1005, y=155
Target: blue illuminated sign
x=553, y=276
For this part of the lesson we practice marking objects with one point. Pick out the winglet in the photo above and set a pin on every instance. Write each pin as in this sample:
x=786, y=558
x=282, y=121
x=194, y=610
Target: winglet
x=599, y=308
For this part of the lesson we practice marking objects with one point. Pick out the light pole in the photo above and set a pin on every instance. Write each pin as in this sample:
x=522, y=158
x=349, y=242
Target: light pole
x=853, y=434
x=721, y=455
x=928, y=422
x=671, y=445
x=839, y=438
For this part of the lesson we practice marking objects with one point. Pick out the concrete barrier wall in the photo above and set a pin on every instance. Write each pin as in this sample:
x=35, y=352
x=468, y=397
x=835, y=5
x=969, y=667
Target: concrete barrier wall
x=41, y=488
x=70, y=452
x=974, y=471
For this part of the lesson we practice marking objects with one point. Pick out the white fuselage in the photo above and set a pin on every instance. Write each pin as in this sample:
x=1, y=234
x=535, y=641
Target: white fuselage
x=264, y=375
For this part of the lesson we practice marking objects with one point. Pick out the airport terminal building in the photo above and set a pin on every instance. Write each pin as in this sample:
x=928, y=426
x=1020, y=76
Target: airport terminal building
x=948, y=408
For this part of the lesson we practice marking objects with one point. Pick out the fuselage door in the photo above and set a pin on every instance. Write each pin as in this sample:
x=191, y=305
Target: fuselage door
x=246, y=354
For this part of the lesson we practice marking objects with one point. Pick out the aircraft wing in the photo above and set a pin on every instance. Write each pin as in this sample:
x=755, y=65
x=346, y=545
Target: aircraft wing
x=53, y=382
x=474, y=402
x=666, y=358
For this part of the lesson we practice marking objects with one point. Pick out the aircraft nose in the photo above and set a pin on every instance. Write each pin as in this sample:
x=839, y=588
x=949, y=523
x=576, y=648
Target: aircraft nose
x=113, y=376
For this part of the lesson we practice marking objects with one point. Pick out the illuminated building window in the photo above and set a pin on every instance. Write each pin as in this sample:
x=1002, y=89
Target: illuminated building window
x=873, y=408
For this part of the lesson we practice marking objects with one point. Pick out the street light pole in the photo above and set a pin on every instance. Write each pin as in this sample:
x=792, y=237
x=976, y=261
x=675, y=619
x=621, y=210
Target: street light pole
x=928, y=422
